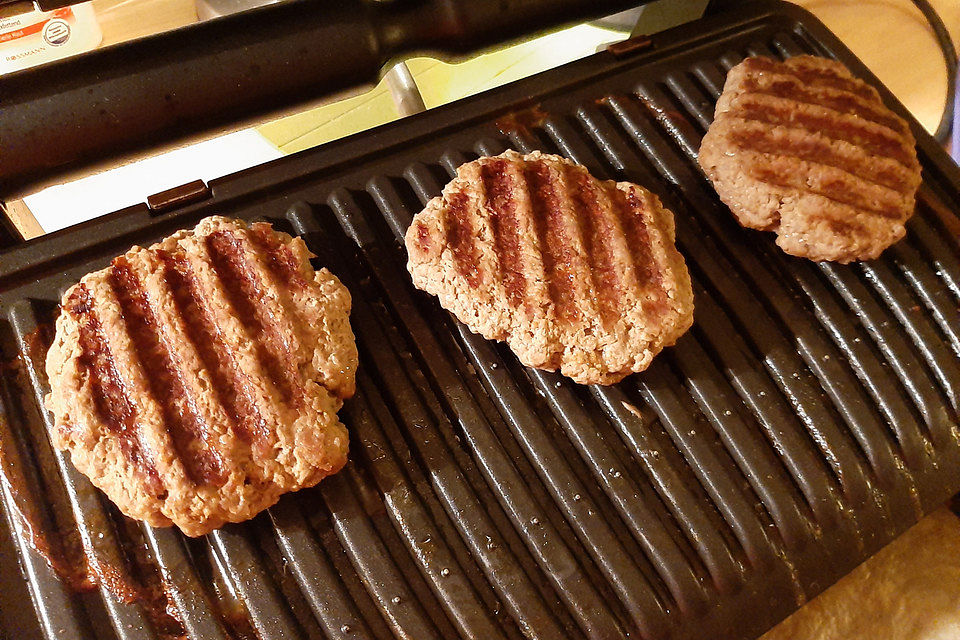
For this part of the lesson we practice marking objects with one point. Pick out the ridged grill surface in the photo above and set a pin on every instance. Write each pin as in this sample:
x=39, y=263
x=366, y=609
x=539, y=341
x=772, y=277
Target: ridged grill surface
x=807, y=418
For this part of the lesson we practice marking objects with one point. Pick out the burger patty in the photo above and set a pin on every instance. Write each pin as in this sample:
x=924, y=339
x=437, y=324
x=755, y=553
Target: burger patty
x=573, y=273
x=804, y=149
x=196, y=381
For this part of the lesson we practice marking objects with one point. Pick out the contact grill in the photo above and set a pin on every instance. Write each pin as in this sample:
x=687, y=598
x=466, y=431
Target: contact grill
x=808, y=417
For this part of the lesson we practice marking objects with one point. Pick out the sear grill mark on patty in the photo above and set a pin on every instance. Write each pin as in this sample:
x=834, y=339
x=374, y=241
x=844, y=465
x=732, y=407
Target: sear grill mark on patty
x=188, y=433
x=882, y=142
x=280, y=260
x=598, y=235
x=230, y=383
x=282, y=266
x=809, y=75
x=837, y=190
x=840, y=101
x=630, y=209
x=245, y=291
x=790, y=144
x=505, y=224
x=460, y=236
x=559, y=257
x=846, y=227
x=110, y=396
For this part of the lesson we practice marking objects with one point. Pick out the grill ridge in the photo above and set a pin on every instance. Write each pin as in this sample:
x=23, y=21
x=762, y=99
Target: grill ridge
x=487, y=543
x=664, y=553
x=784, y=504
x=445, y=571
x=927, y=341
x=541, y=539
x=659, y=389
x=595, y=535
x=924, y=284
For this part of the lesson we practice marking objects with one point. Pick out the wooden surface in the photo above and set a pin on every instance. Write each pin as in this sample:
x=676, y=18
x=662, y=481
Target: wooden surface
x=894, y=40
x=910, y=590
x=122, y=20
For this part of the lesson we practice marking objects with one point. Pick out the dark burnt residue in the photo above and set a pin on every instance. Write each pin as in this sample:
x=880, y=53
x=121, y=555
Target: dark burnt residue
x=521, y=122
x=143, y=583
x=61, y=549
x=928, y=200
x=136, y=580
x=671, y=118
x=58, y=545
x=39, y=340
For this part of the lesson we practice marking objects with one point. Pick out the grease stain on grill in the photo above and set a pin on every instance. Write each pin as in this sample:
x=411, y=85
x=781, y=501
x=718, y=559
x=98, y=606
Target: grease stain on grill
x=60, y=547
x=522, y=122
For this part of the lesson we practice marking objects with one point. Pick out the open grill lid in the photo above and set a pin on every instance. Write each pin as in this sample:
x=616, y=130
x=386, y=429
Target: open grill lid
x=808, y=417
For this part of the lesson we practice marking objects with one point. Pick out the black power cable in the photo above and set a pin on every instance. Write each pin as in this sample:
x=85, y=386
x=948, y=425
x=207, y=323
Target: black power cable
x=950, y=57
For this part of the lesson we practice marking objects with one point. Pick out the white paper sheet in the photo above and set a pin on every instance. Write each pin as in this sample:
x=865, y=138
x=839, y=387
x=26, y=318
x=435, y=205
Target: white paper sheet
x=63, y=205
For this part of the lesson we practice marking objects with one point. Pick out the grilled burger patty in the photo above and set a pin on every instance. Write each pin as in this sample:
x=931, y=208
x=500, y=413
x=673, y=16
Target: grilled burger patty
x=804, y=149
x=573, y=273
x=196, y=381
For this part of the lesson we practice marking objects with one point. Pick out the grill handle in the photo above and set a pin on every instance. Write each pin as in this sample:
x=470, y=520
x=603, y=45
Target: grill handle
x=114, y=104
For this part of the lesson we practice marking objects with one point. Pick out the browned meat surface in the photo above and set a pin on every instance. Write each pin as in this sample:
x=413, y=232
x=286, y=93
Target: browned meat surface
x=196, y=381
x=804, y=149
x=573, y=273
